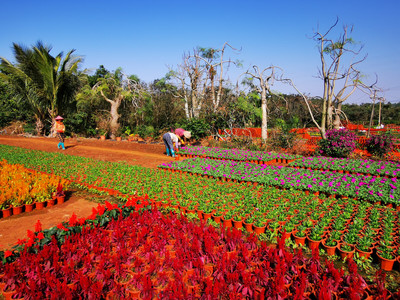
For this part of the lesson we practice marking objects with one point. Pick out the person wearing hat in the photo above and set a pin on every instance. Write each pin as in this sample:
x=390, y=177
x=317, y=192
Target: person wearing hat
x=60, y=129
x=169, y=139
x=182, y=133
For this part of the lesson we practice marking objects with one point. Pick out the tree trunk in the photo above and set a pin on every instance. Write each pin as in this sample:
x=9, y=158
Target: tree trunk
x=371, y=119
x=264, y=124
x=39, y=126
x=114, y=125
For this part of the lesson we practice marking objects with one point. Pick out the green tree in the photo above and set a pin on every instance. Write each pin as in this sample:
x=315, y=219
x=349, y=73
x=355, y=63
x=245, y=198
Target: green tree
x=115, y=88
x=48, y=83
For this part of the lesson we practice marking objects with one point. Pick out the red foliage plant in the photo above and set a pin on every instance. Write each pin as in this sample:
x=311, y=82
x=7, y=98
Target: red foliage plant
x=89, y=264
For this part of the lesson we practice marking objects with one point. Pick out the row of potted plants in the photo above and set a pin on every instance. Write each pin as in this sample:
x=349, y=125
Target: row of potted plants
x=339, y=222
x=370, y=188
x=123, y=252
x=20, y=188
x=236, y=154
x=373, y=167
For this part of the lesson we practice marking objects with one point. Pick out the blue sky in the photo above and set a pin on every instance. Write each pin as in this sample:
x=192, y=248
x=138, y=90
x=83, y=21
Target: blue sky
x=145, y=37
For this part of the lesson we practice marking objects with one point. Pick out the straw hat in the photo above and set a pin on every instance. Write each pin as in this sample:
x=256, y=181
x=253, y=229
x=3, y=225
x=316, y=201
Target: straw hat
x=59, y=118
x=187, y=134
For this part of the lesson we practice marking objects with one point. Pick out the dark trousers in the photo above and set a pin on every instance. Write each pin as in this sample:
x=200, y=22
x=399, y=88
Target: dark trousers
x=168, y=142
x=60, y=136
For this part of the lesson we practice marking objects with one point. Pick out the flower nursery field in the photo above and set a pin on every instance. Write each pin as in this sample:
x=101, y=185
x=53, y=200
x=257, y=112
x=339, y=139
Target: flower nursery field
x=253, y=203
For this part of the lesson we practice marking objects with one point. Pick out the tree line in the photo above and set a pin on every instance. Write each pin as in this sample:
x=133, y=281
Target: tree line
x=195, y=94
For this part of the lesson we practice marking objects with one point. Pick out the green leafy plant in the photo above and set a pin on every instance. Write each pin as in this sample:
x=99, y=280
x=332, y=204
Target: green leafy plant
x=331, y=242
x=345, y=247
x=386, y=252
x=316, y=233
x=301, y=231
x=363, y=262
x=364, y=243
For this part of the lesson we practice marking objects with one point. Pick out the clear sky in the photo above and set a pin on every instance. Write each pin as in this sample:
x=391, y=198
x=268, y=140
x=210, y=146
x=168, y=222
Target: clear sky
x=145, y=37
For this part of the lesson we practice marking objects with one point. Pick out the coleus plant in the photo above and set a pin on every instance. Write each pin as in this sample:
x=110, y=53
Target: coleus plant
x=92, y=263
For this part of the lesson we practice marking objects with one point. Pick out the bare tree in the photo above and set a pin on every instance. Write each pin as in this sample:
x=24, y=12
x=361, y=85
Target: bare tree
x=381, y=100
x=265, y=79
x=191, y=84
x=372, y=91
x=214, y=65
x=339, y=74
x=200, y=77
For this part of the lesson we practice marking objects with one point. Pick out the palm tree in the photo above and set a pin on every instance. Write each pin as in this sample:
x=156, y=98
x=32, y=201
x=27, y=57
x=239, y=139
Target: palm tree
x=48, y=83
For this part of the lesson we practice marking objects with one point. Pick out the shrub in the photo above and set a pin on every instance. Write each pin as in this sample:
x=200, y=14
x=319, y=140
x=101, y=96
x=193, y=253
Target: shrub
x=338, y=143
x=145, y=131
x=198, y=127
x=379, y=145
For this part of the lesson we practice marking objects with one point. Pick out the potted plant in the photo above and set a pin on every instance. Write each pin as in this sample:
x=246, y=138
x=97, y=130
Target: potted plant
x=346, y=250
x=330, y=245
x=5, y=207
x=29, y=205
x=351, y=237
x=217, y=215
x=227, y=218
x=103, y=134
x=17, y=205
x=287, y=230
x=386, y=257
x=248, y=223
x=364, y=246
x=314, y=238
x=300, y=235
x=259, y=224
x=60, y=194
x=238, y=220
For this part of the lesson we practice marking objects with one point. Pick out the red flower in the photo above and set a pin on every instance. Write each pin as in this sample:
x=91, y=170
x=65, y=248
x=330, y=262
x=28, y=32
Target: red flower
x=109, y=206
x=7, y=253
x=30, y=234
x=40, y=236
x=31, y=242
x=101, y=209
x=38, y=226
x=73, y=220
x=21, y=242
x=61, y=226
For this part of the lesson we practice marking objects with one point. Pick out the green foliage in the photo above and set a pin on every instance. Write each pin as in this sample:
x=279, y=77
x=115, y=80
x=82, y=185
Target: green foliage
x=101, y=72
x=285, y=138
x=48, y=83
x=29, y=128
x=145, y=131
x=198, y=127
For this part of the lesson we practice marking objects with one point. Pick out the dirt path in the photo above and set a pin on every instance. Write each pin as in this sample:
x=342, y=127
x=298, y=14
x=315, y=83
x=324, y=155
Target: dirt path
x=146, y=155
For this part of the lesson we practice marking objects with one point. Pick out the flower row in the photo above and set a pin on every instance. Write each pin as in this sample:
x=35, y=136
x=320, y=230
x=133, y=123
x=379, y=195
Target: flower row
x=150, y=255
x=236, y=154
x=369, y=188
x=19, y=186
x=382, y=168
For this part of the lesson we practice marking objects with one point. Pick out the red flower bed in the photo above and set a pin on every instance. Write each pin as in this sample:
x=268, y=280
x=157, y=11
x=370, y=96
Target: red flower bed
x=147, y=254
